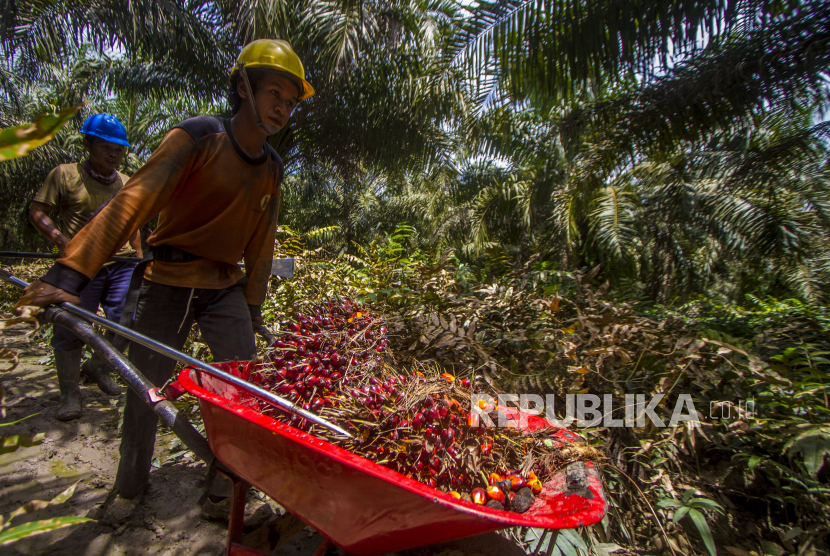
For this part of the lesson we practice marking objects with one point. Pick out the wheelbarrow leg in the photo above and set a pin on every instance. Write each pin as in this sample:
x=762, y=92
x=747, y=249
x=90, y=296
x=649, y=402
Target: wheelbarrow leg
x=237, y=517
x=323, y=548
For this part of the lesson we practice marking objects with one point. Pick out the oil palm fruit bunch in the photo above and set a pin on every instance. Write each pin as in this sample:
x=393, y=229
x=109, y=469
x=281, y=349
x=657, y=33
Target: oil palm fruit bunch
x=420, y=425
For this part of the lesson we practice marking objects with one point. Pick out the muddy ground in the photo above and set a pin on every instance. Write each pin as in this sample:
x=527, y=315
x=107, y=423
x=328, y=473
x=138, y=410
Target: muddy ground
x=166, y=520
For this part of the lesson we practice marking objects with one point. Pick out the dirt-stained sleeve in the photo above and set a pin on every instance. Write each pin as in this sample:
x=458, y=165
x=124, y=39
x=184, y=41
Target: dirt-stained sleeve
x=142, y=198
x=259, y=253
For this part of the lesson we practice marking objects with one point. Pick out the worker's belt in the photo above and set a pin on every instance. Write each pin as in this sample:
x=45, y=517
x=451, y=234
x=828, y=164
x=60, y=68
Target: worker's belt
x=170, y=254
x=166, y=253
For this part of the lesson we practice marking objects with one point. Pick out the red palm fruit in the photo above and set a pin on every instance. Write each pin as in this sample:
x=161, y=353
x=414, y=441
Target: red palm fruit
x=479, y=496
x=393, y=435
x=293, y=395
x=278, y=361
x=493, y=478
x=394, y=420
x=443, y=412
x=448, y=377
x=433, y=416
x=301, y=351
x=458, y=482
x=279, y=344
x=429, y=436
x=317, y=403
x=517, y=481
x=495, y=493
x=379, y=349
x=427, y=402
x=307, y=406
x=310, y=381
x=418, y=420
x=454, y=494
x=289, y=355
x=435, y=463
x=282, y=374
x=284, y=388
x=535, y=486
x=402, y=379
x=465, y=382
x=335, y=376
x=294, y=327
x=299, y=377
x=405, y=424
x=486, y=448
x=452, y=452
x=431, y=482
x=448, y=436
x=419, y=465
x=328, y=383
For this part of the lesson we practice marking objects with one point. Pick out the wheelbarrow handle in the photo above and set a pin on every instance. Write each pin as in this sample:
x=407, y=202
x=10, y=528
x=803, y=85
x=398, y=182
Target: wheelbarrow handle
x=27, y=255
x=158, y=347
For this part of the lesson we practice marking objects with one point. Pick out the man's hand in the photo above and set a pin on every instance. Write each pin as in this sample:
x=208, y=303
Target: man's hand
x=262, y=330
x=61, y=241
x=41, y=294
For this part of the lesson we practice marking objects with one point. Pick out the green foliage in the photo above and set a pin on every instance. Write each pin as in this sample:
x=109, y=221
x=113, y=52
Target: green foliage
x=9, y=534
x=695, y=508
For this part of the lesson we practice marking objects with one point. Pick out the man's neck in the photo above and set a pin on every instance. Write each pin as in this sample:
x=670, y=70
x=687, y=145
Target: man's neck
x=249, y=137
x=102, y=171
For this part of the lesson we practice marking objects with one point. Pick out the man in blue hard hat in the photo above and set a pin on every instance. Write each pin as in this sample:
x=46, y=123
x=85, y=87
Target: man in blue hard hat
x=77, y=191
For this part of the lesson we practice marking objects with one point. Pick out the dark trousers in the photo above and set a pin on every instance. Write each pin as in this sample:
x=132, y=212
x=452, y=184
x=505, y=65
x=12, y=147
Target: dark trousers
x=108, y=289
x=165, y=314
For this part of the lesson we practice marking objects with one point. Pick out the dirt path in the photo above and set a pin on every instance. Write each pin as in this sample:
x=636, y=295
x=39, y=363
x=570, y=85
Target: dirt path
x=166, y=520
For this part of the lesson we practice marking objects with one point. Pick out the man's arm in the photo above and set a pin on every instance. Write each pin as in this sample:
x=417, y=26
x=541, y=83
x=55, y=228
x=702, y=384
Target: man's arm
x=135, y=243
x=147, y=192
x=39, y=217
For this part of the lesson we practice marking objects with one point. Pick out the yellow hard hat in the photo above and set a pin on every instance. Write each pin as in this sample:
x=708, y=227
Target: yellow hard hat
x=277, y=55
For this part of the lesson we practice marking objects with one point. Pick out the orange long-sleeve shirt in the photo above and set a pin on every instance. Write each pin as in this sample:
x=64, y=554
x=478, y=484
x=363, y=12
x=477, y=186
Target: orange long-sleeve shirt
x=212, y=200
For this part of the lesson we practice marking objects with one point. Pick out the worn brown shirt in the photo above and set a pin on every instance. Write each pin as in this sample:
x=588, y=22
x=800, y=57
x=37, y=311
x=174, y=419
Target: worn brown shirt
x=76, y=195
x=212, y=200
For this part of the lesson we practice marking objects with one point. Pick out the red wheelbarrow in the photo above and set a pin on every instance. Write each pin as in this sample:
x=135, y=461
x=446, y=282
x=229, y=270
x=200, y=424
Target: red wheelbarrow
x=354, y=503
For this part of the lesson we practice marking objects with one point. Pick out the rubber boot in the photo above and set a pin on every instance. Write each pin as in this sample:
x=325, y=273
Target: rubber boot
x=68, y=364
x=97, y=370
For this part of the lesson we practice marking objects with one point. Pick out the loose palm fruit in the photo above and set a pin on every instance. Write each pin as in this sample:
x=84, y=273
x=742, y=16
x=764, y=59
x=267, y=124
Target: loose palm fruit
x=495, y=505
x=521, y=504
x=448, y=377
x=486, y=449
x=535, y=485
x=465, y=383
x=454, y=494
x=494, y=478
x=495, y=493
x=479, y=496
x=518, y=481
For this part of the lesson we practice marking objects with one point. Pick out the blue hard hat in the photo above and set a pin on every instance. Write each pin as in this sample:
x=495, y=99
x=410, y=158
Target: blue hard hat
x=106, y=127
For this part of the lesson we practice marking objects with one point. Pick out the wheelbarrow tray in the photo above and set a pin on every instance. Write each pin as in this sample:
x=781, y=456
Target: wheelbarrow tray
x=355, y=503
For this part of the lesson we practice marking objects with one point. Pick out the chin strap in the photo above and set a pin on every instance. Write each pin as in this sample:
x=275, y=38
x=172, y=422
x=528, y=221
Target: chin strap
x=267, y=128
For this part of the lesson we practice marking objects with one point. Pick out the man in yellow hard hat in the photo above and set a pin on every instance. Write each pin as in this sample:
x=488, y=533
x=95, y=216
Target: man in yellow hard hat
x=215, y=185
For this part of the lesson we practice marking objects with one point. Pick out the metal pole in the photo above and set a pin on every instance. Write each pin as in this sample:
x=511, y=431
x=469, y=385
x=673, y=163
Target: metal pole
x=27, y=255
x=166, y=411
x=149, y=343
